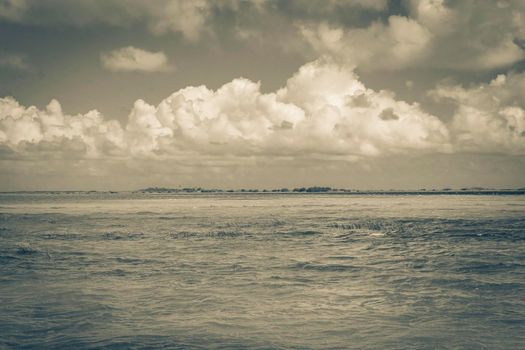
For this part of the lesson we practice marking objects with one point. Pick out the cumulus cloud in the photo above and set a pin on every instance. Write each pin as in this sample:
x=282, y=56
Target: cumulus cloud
x=396, y=44
x=322, y=110
x=186, y=17
x=30, y=130
x=129, y=59
x=463, y=35
x=489, y=117
x=466, y=35
x=472, y=34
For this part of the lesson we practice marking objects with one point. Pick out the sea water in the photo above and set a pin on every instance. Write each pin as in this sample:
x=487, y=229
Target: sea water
x=267, y=271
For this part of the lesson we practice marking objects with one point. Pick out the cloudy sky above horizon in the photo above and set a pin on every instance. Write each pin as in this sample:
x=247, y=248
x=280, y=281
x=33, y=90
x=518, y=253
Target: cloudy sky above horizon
x=125, y=94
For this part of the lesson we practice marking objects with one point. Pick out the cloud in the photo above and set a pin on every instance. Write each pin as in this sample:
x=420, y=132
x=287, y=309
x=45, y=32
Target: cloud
x=14, y=62
x=396, y=44
x=324, y=110
x=50, y=132
x=472, y=35
x=12, y=9
x=130, y=59
x=489, y=117
x=466, y=35
x=461, y=35
x=188, y=18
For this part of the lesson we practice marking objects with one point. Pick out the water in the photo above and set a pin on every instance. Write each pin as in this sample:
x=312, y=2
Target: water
x=290, y=271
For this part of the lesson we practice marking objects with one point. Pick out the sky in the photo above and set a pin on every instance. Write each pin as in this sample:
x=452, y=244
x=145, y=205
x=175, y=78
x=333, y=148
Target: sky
x=364, y=94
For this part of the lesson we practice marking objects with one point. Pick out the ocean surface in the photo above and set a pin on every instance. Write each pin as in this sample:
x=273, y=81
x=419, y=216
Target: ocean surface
x=262, y=271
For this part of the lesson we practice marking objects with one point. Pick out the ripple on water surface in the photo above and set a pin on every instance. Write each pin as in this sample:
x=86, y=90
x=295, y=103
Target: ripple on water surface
x=280, y=271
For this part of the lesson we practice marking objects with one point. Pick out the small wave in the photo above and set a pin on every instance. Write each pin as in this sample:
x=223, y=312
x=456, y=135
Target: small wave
x=112, y=236
x=7, y=257
x=135, y=261
x=145, y=213
x=300, y=233
x=166, y=218
x=211, y=234
x=341, y=257
x=225, y=234
x=323, y=267
x=482, y=267
x=25, y=249
x=61, y=236
x=366, y=225
x=114, y=272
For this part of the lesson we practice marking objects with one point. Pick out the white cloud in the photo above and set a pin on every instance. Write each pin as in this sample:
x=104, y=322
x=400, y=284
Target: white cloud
x=31, y=130
x=488, y=117
x=466, y=35
x=129, y=59
x=323, y=110
x=462, y=35
x=396, y=44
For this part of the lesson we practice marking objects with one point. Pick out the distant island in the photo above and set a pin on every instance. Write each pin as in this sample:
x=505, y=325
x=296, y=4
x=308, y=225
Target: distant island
x=330, y=190
x=297, y=190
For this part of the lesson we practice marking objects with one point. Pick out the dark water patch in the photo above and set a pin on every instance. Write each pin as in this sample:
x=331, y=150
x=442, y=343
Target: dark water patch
x=26, y=249
x=6, y=258
x=183, y=235
x=323, y=267
x=112, y=236
x=114, y=273
x=300, y=279
x=511, y=322
x=225, y=234
x=63, y=236
x=136, y=261
x=146, y=213
x=166, y=217
x=299, y=233
x=116, y=225
x=341, y=257
x=235, y=225
x=482, y=267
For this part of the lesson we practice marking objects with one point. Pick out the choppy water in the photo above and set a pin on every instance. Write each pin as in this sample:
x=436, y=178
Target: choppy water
x=262, y=271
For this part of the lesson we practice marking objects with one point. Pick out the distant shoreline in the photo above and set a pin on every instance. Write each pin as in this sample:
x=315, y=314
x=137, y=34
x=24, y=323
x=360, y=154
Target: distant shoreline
x=300, y=191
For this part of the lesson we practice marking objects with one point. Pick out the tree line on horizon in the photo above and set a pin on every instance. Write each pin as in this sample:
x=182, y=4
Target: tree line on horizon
x=312, y=189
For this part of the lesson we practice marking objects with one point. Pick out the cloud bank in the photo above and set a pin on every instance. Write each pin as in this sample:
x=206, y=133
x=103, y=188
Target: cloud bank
x=129, y=59
x=461, y=35
x=464, y=35
x=323, y=111
x=489, y=117
x=187, y=18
